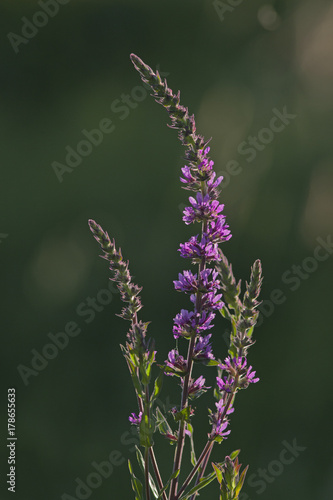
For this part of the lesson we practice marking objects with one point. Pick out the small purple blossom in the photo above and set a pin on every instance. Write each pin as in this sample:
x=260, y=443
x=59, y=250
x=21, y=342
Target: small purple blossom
x=196, y=387
x=188, y=177
x=196, y=250
x=225, y=384
x=206, y=165
x=134, y=419
x=220, y=405
x=203, y=349
x=238, y=367
x=210, y=301
x=188, y=282
x=212, y=184
x=203, y=208
x=220, y=429
x=218, y=231
x=188, y=323
x=219, y=420
x=176, y=362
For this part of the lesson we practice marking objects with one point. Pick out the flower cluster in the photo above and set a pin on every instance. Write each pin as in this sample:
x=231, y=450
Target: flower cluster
x=240, y=375
x=204, y=286
x=211, y=289
x=219, y=420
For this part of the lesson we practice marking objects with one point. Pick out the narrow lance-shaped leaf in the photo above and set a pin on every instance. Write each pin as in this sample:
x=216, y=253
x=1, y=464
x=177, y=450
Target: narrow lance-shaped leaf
x=141, y=463
x=157, y=386
x=241, y=481
x=205, y=481
x=173, y=476
x=136, y=484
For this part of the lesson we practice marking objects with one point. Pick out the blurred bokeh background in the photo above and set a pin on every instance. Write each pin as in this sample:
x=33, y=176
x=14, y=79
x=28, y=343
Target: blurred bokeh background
x=65, y=71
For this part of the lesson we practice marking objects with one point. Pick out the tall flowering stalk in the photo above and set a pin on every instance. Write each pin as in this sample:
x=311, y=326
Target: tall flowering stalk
x=211, y=289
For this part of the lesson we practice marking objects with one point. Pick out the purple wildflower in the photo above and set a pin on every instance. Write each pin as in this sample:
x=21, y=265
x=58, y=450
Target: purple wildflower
x=196, y=387
x=188, y=177
x=225, y=384
x=188, y=323
x=210, y=301
x=219, y=420
x=203, y=349
x=197, y=251
x=187, y=282
x=176, y=363
x=218, y=231
x=206, y=165
x=238, y=366
x=203, y=208
x=134, y=419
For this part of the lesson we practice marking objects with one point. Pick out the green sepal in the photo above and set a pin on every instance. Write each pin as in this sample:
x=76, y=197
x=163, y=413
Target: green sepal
x=141, y=463
x=136, y=484
x=146, y=431
x=204, y=481
x=218, y=439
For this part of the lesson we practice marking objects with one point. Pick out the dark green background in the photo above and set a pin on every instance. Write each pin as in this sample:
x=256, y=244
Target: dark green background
x=231, y=74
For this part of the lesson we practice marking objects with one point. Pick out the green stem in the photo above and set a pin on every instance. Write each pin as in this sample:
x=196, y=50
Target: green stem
x=181, y=432
x=189, y=478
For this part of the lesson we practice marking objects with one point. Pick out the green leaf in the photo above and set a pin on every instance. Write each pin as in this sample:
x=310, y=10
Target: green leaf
x=142, y=465
x=162, y=423
x=157, y=386
x=136, y=484
x=234, y=454
x=146, y=431
x=136, y=383
x=175, y=474
x=213, y=362
x=218, y=473
x=193, y=457
x=241, y=481
x=204, y=481
x=183, y=414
